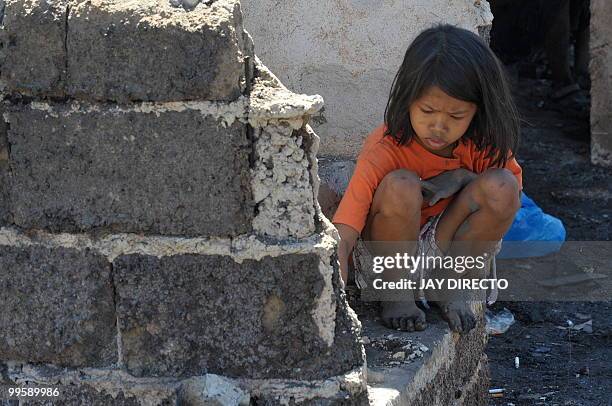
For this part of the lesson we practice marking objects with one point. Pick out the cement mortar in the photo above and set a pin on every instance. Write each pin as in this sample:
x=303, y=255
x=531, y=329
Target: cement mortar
x=239, y=248
x=271, y=101
x=280, y=182
x=311, y=142
x=213, y=390
x=91, y=386
x=348, y=388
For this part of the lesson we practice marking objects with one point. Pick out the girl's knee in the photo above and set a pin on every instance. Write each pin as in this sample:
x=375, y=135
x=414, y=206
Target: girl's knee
x=400, y=190
x=499, y=191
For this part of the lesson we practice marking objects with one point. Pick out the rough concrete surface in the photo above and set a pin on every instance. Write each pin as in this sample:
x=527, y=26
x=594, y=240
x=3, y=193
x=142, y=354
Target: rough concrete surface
x=80, y=168
x=57, y=307
x=348, y=52
x=149, y=50
x=188, y=315
x=270, y=101
x=452, y=371
x=33, y=55
x=476, y=390
x=600, y=68
x=124, y=50
x=4, y=172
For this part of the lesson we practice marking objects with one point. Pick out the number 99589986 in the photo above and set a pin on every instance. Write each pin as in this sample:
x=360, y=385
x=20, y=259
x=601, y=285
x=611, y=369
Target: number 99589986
x=32, y=392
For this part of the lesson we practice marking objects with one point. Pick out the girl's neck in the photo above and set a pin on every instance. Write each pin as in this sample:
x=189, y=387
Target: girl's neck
x=445, y=153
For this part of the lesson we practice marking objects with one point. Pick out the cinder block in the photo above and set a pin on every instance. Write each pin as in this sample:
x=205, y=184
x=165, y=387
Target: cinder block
x=148, y=50
x=33, y=46
x=189, y=315
x=170, y=172
x=57, y=307
x=124, y=51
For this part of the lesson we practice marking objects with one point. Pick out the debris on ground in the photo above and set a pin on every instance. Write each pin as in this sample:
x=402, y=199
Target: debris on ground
x=587, y=326
x=498, y=323
x=399, y=349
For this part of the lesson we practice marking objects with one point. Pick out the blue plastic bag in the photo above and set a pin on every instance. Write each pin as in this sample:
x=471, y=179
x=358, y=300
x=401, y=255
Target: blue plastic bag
x=533, y=233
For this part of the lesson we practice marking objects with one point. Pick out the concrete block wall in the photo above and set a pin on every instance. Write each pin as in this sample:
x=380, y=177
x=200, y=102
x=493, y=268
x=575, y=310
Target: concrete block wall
x=160, y=236
x=600, y=68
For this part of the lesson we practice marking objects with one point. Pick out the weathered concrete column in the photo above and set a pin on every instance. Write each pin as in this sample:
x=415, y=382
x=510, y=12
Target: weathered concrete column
x=160, y=237
x=600, y=68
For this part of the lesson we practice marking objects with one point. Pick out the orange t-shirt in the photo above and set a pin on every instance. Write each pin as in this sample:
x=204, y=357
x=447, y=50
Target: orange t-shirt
x=381, y=155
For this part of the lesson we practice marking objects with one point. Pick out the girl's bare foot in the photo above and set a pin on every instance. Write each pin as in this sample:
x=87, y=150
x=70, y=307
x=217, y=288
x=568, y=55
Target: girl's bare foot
x=405, y=316
x=459, y=315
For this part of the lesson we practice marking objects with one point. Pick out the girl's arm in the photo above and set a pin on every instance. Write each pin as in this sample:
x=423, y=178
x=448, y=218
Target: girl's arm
x=446, y=184
x=348, y=238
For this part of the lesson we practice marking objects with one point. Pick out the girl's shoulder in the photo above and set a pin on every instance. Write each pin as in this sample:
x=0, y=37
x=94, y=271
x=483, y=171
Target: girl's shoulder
x=375, y=137
x=383, y=152
x=377, y=142
x=469, y=148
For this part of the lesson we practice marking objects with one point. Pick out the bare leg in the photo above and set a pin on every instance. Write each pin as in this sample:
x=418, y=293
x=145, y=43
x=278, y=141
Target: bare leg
x=395, y=218
x=471, y=225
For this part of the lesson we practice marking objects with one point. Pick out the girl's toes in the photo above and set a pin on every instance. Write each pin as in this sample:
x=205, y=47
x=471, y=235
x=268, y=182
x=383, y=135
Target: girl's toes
x=403, y=323
x=409, y=325
x=468, y=322
x=420, y=325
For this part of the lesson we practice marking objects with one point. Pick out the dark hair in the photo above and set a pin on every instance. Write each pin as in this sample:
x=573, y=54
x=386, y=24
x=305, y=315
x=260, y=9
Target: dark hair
x=464, y=67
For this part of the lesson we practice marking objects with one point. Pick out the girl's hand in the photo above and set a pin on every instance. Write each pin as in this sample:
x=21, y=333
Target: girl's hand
x=348, y=238
x=445, y=184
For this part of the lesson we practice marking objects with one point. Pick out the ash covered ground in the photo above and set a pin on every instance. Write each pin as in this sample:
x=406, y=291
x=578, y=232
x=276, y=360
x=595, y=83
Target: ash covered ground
x=557, y=366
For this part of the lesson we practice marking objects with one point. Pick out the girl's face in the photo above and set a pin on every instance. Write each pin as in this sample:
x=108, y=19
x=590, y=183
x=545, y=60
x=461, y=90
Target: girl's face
x=439, y=120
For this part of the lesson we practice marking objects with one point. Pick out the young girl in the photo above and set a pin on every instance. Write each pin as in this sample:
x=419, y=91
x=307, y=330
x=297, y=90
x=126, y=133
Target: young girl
x=440, y=172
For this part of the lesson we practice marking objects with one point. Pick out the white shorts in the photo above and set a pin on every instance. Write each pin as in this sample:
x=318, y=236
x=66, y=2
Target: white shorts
x=427, y=246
